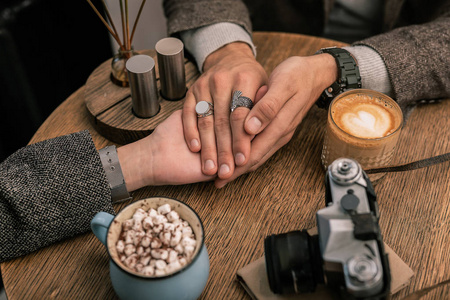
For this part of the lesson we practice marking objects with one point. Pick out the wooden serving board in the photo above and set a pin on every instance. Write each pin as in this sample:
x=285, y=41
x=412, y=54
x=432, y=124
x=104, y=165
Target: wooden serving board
x=110, y=109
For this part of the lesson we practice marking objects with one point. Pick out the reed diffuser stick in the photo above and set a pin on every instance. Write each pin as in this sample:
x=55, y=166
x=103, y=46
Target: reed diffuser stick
x=111, y=22
x=137, y=19
x=127, y=24
x=122, y=17
x=127, y=39
x=116, y=37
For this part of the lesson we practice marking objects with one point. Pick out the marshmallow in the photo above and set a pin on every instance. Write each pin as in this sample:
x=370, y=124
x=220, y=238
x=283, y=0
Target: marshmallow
x=160, y=264
x=120, y=246
x=173, y=266
x=131, y=261
x=164, y=209
x=145, y=242
x=129, y=250
x=139, y=215
x=173, y=256
x=127, y=225
x=189, y=251
x=165, y=237
x=156, y=242
x=169, y=227
x=145, y=260
x=139, y=250
x=159, y=219
x=172, y=216
x=152, y=212
x=147, y=223
x=160, y=254
x=187, y=231
x=158, y=228
x=176, y=238
x=148, y=270
x=139, y=267
x=187, y=241
x=129, y=236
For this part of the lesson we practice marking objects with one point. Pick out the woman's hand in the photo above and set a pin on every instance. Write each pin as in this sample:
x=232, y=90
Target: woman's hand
x=162, y=158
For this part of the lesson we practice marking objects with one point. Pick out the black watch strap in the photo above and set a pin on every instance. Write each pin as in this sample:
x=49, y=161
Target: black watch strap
x=348, y=75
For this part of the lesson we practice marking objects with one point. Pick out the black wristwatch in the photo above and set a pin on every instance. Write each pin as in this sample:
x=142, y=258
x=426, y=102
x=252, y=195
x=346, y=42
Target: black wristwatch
x=348, y=75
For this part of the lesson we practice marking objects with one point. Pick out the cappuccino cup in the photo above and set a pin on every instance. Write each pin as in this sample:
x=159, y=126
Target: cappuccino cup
x=364, y=125
x=187, y=282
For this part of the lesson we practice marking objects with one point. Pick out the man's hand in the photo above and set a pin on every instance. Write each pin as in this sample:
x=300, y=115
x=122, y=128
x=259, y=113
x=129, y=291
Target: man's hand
x=161, y=158
x=293, y=88
x=221, y=137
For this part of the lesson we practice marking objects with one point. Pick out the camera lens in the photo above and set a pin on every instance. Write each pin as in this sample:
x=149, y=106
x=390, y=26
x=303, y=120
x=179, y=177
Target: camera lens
x=293, y=262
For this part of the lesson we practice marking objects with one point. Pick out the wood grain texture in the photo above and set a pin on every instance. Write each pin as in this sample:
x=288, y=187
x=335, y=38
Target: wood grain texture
x=110, y=107
x=282, y=195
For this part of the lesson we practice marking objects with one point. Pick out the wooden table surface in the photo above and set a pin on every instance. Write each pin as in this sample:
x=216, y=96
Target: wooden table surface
x=282, y=195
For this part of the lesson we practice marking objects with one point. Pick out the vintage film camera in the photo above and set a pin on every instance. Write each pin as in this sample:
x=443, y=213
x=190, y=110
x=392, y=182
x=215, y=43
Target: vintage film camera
x=348, y=252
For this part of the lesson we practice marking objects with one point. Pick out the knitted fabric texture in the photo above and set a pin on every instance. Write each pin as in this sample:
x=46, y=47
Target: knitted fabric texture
x=50, y=191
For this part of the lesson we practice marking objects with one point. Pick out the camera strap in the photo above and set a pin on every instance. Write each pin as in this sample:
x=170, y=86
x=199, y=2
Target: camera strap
x=420, y=293
x=408, y=167
x=413, y=165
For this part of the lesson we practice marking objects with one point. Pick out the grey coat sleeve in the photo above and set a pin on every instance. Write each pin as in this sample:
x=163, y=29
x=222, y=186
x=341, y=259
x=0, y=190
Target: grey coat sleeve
x=50, y=191
x=184, y=15
x=417, y=58
x=416, y=53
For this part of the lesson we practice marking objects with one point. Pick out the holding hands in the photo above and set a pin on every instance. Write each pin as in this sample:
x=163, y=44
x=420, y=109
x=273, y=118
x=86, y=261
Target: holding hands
x=292, y=89
x=220, y=136
x=227, y=139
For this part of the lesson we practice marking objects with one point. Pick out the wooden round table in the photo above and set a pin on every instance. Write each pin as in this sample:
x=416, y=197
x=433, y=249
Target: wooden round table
x=282, y=195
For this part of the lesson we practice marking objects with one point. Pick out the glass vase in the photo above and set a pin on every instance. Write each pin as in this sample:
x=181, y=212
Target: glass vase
x=119, y=73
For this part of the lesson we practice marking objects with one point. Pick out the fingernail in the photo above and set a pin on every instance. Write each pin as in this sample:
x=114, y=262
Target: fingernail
x=239, y=158
x=194, y=143
x=209, y=165
x=221, y=185
x=224, y=169
x=254, y=124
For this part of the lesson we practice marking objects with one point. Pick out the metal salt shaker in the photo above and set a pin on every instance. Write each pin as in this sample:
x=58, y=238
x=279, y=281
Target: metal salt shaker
x=144, y=91
x=171, y=68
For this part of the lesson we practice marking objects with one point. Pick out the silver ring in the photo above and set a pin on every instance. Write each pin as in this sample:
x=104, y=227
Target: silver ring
x=240, y=101
x=204, y=109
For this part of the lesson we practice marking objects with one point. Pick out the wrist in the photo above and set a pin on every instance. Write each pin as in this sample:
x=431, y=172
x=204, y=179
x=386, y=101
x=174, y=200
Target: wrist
x=348, y=76
x=114, y=175
x=136, y=161
x=325, y=70
x=229, y=50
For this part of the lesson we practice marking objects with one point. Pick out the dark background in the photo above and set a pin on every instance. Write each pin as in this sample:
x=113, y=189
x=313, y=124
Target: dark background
x=48, y=48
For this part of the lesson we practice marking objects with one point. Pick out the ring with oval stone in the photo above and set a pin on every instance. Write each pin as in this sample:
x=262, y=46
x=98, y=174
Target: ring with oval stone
x=204, y=109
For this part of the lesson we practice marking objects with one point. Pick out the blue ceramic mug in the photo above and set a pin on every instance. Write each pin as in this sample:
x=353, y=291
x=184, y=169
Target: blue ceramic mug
x=185, y=283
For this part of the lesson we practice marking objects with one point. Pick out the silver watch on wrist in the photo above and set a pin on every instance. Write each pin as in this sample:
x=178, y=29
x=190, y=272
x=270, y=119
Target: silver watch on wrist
x=111, y=164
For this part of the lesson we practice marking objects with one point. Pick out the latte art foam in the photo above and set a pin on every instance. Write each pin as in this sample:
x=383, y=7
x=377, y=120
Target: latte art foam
x=364, y=125
x=364, y=117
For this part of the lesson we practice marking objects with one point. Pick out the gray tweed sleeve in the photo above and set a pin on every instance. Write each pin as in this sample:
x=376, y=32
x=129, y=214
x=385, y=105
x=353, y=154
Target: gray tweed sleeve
x=417, y=58
x=184, y=15
x=50, y=191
